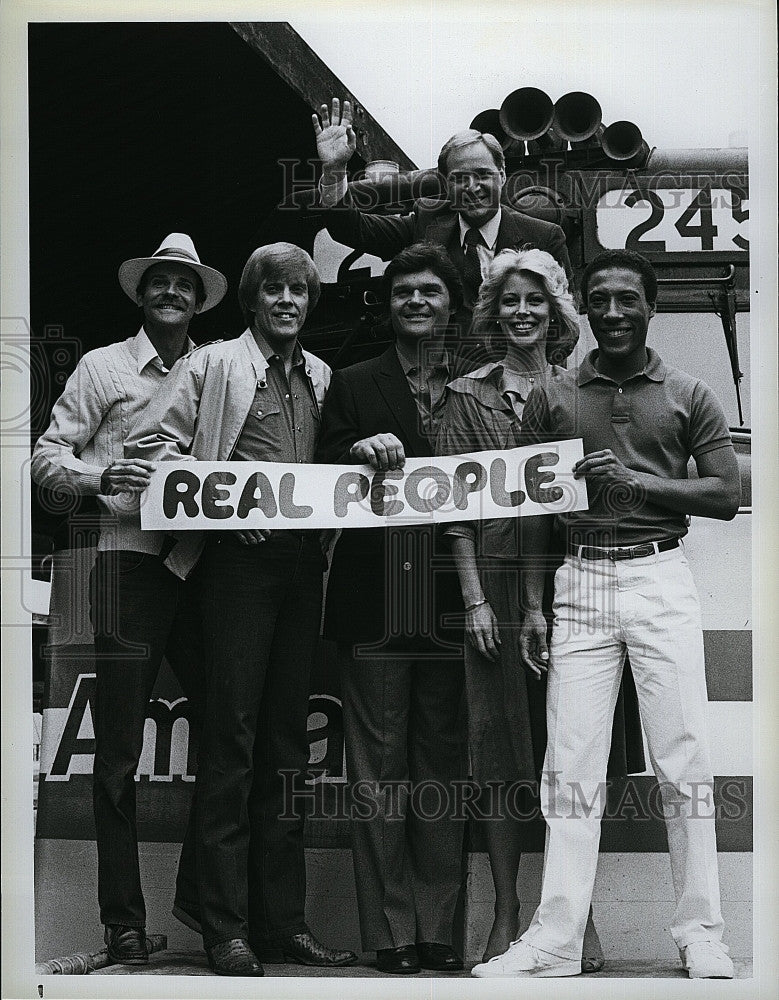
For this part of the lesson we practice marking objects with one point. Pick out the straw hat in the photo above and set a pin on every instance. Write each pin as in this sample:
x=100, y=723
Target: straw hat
x=180, y=248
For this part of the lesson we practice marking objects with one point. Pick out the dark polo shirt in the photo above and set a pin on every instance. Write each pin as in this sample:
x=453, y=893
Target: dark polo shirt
x=654, y=422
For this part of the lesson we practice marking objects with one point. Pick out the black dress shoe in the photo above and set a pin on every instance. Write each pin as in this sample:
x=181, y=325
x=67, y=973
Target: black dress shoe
x=439, y=957
x=126, y=945
x=398, y=961
x=234, y=958
x=305, y=949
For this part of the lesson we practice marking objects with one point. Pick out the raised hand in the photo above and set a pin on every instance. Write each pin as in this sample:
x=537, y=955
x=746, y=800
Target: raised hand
x=335, y=138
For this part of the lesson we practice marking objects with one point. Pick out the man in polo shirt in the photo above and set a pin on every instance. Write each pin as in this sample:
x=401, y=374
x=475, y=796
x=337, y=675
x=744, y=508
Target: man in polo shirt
x=256, y=398
x=140, y=611
x=625, y=587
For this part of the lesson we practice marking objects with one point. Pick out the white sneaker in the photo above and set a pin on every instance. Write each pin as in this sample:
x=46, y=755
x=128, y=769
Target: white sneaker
x=707, y=960
x=522, y=959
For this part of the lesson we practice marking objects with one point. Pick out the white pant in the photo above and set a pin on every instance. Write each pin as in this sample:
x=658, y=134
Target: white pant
x=649, y=608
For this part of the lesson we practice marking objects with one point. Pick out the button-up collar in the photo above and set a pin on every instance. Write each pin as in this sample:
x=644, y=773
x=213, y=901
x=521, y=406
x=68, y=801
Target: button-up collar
x=410, y=363
x=268, y=353
x=489, y=231
x=487, y=384
x=146, y=352
x=256, y=344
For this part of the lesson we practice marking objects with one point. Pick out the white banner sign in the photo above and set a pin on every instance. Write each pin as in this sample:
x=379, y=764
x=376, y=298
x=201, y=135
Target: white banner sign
x=223, y=495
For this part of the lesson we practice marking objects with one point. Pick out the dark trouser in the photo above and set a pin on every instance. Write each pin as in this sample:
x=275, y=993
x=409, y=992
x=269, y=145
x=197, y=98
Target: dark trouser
x=261, y=614
x=140, y=612
x=402, y=725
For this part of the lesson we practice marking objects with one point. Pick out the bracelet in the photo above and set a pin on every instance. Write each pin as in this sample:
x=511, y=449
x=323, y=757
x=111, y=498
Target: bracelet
x=478, y=604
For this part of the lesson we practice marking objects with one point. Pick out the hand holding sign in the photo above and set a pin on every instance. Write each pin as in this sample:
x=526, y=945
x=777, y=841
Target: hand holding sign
x=382, y=452
x=253, y=536
x=605, y=466
x=126, y=475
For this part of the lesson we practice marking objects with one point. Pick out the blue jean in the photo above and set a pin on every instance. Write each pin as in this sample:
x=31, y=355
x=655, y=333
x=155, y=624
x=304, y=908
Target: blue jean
x=140, y=612
x=261, y=609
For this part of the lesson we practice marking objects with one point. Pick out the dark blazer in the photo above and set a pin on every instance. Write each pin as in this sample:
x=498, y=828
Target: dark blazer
x=435, y=221
x=389, y=586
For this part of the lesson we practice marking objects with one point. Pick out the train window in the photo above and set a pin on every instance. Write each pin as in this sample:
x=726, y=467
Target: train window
x=695, y=342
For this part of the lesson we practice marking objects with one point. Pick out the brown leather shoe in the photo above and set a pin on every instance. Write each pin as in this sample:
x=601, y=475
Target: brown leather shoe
x=398, y=961
x=305, y=949
x=439, y=957
x=234, y=958
x=126, y=945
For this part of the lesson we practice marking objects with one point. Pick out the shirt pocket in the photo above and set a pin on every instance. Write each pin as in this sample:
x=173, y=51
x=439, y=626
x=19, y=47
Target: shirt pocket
x=262, y=435
x=266, y=423
x=266, y=411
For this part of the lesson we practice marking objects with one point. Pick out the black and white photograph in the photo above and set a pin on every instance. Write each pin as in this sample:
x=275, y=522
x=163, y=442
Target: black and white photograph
x=388, y=577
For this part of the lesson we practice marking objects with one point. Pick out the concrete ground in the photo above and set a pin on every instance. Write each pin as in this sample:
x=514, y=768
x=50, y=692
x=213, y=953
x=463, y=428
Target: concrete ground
x=181, y=963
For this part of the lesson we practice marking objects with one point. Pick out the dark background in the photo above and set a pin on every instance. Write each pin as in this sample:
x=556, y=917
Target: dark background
x=136, y=131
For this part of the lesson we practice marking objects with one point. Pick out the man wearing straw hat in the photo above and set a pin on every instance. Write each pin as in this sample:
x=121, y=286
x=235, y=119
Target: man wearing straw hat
x=140, y=610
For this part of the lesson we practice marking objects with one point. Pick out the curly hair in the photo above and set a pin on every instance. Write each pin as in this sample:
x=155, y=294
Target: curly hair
x=564, y=329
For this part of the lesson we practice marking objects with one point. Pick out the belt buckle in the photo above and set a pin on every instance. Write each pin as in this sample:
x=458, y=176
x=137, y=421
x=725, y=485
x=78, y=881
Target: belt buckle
x=637, y=551
x=617, y=553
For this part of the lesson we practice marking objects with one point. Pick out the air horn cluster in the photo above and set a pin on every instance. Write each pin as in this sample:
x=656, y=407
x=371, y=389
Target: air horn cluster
x=528, y=117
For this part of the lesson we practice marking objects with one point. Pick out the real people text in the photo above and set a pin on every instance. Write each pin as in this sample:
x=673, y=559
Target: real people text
x=222, y=495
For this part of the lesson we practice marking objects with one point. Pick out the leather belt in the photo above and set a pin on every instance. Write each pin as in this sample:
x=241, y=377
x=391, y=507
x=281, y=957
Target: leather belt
x=623, y=551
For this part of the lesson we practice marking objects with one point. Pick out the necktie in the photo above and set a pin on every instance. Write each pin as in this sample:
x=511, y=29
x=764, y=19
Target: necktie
x=472, y=268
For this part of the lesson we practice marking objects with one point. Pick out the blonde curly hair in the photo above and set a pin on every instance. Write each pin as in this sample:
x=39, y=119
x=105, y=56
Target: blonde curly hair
x=564, y=328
